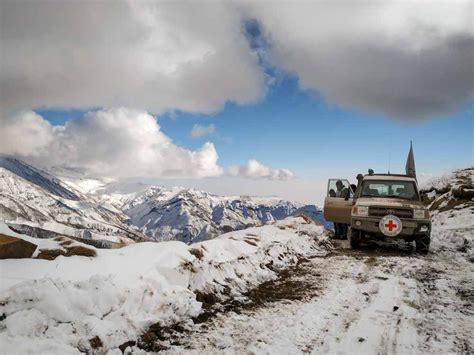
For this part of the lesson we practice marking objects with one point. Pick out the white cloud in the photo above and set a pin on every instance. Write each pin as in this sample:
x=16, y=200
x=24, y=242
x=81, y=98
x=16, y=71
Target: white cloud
x=202, y=130
x=399, y=58
x=256, y=170
x=116, y=142
x=404, y=59
x=119, y=142
x=151, y=55
x=24, y=133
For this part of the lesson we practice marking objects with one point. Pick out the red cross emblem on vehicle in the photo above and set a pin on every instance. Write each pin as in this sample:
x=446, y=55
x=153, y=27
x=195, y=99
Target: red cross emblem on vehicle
x=390, y=225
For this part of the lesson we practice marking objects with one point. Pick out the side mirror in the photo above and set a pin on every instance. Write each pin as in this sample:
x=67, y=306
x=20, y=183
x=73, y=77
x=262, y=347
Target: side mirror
x=425, y=198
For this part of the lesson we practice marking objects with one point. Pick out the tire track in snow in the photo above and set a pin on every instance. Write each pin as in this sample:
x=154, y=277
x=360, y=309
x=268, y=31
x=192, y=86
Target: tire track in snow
x=441, y=284
x=366, y=302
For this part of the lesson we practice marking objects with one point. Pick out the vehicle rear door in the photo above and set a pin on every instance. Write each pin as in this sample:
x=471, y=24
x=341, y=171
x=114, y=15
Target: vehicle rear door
x=338, y=201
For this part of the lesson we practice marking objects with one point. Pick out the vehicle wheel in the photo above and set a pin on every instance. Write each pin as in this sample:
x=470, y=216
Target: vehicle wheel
x=423, y=244
x=354, y=237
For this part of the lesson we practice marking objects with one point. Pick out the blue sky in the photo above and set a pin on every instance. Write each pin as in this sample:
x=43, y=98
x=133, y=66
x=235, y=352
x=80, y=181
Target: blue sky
x=297, y=129
x=308, y=90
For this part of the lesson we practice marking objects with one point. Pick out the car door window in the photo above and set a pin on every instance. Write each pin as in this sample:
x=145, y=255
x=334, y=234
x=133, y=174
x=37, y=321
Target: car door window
x=339, y=188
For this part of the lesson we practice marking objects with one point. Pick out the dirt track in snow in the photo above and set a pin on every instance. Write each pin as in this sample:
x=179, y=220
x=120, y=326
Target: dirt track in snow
x=381, y=299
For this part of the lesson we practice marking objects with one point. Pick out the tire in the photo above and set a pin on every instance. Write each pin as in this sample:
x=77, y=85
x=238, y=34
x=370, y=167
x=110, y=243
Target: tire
x=423, y=244
x=354, y=237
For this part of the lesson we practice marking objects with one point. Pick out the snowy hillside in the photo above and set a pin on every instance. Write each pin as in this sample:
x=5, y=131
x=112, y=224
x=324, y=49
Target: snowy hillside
x=191, y=215
x=78, y=304
x=182, y=214
x=73, y=203
x=37, y=204
x=453, y=179
x=452, y=209
x=283, y=287
x=37, y=177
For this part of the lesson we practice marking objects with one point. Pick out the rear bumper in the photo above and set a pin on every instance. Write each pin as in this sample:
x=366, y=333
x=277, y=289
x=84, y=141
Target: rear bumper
x=410, y=227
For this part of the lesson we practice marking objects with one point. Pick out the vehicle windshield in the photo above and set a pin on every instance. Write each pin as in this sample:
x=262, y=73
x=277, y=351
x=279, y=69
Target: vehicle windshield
x=386, y=188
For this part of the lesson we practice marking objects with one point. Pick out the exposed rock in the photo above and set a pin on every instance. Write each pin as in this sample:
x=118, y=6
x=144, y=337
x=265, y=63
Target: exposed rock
x=15, y=248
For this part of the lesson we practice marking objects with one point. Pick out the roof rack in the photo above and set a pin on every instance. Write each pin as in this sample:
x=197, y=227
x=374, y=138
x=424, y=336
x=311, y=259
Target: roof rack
x=401, y=175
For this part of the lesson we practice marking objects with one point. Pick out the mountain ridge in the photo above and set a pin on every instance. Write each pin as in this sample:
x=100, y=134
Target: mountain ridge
x=82, y=206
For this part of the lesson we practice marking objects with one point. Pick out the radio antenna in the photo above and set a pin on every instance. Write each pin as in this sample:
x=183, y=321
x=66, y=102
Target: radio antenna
x=389, y=153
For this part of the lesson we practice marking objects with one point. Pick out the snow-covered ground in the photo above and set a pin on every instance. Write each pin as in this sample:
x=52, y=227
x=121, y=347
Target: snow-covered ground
x=66, y=305
x=381, y=299
x=276, y=289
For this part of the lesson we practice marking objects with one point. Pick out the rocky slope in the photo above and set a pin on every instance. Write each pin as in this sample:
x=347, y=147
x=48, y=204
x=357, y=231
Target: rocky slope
x=451, y=202
x=34, y=201
x=38, y=177
x=68, y=202
x=450, y=190
x=190, y=215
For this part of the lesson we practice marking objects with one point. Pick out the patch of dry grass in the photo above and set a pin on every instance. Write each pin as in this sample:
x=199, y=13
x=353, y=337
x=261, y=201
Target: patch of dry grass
x=251, y=242
x=95, y=342
x=66, y=242
x=197, y=252
x=252, y=237
x=188, y=266
x=79, y=250
x=50, y=254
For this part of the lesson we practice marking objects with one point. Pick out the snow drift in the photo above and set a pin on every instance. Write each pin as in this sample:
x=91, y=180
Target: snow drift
x=71, y=305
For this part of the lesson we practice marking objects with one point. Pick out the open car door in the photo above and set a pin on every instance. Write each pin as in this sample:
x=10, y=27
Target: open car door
x=338, y=201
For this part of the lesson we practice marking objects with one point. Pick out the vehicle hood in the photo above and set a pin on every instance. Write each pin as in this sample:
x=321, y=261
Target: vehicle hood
x=387, y=202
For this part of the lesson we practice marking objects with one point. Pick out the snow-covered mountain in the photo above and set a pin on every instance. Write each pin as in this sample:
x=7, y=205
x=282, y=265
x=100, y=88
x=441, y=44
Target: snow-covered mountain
x=38, y=177
x=36, y=202
x=191, y=215
x=67, y=201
